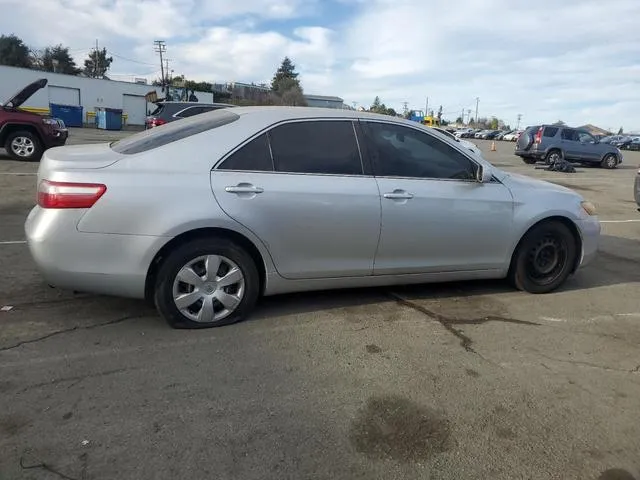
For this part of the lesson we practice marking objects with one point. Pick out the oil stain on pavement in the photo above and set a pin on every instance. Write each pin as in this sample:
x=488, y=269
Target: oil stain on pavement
x=393, y=427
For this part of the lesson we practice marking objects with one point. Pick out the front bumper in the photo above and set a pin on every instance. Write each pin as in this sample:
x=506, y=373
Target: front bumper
x=57, y=138
x=89, y=262
x=590, y=232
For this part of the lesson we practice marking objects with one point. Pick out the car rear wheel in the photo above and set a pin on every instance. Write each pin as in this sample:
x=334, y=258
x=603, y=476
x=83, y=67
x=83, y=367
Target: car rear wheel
x=23, y=145
x=544, y=258
x=610, y=161
x=207, y=282
x=553, y=156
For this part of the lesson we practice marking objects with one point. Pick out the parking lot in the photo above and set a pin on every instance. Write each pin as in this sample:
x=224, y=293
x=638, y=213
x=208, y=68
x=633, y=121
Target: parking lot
x=457, y=381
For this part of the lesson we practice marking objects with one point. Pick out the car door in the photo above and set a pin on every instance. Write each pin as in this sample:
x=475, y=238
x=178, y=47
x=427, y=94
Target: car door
x=302, y=189
x=435, y=216
x=570, y=143
x=589, y=148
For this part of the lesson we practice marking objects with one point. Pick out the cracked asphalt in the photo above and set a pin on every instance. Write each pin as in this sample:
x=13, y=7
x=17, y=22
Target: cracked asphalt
x=466, y=380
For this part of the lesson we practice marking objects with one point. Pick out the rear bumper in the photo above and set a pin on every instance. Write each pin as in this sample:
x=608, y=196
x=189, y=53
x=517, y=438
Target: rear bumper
x=530, y=153
x=590, y=232
x=89, y=262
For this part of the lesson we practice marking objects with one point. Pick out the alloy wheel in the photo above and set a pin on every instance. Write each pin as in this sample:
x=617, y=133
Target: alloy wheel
x=23, y=146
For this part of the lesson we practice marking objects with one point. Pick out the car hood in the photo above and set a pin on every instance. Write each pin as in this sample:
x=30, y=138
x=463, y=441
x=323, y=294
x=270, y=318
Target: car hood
x=23, y=95
x=516, y=181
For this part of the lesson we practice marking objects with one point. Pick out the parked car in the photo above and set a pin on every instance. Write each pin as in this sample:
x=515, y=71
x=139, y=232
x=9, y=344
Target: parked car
x=26, y=135
x=634, y=144
x=268, y=200
x=636, y=189
x=465, y=143
x=551, y=142
x=480, y=133
x=490, y=135
x=462, y=132
x=501, y=134
x=513, y=136
x=166, y=112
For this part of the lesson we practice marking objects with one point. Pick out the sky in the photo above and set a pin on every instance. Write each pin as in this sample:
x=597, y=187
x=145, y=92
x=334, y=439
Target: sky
x=572, y=60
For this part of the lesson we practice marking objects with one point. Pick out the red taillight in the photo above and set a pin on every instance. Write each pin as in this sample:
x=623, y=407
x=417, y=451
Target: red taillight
x=69, y=195
x=156, y=122
x=538, y=137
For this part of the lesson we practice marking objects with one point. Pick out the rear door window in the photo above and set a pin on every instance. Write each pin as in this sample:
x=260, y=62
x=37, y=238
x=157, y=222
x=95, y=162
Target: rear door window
x=570, y=135
x=254, y=156
x=316, y=147
x=550, y=132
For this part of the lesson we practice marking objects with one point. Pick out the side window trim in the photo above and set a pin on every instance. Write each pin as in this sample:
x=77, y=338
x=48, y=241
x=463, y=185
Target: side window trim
x=458, y=149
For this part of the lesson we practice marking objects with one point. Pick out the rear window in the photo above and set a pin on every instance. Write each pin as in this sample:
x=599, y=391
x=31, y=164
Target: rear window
x=174, y=131
x=157, y=110
x=550, y=132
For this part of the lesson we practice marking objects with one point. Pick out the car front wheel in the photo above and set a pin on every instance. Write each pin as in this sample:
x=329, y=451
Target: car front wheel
x=206, y=282
x=544, y=258
x=23, y=145
x=610, y=161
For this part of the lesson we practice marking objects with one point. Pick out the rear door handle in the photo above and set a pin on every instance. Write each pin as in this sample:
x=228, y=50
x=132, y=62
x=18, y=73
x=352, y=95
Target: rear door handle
x=243, y=188
x=398, y=195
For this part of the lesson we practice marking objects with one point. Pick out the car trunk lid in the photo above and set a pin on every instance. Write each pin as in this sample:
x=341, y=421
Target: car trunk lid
x=76, y=157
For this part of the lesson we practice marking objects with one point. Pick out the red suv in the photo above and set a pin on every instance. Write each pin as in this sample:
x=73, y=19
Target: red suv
x=27, y=135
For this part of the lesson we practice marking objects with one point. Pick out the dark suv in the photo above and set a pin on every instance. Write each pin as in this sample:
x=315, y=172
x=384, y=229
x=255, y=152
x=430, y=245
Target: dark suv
x=27, y=135
x=166, y=112
x=550, y=143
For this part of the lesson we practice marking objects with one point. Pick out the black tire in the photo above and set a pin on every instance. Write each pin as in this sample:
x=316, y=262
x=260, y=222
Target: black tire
x=33, y=152
x=610, y=161
x=529, y=160
x=553, y=156
x=190, y=251
x=548, y=242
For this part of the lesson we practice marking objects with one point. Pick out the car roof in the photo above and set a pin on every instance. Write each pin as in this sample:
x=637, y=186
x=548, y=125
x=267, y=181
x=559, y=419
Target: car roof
x=195, y=104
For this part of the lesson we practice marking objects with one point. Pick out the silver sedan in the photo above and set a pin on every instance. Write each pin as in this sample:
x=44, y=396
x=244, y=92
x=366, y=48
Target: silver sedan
x=204, y=215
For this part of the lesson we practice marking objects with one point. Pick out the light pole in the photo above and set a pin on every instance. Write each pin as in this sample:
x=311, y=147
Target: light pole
x=477, y=102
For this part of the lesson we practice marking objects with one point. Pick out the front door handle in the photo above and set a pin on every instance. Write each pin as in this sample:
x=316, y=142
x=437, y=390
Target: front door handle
x=398, y=195
x=244, y=188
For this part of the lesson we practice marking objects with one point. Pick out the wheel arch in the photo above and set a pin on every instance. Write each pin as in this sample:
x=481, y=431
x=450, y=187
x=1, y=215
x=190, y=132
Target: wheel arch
x=558, y=218
x=198, y=233
x=10, y=128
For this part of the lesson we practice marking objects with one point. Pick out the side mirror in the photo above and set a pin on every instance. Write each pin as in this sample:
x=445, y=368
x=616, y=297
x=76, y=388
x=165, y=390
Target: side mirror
x=484, y=174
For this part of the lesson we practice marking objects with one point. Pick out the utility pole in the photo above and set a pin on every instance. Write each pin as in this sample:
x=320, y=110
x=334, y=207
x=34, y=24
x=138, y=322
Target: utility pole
x=160, y=47
x=405, y=108
x=462, y=116
x=477, y=102
x=95, y=64
x=519, y=118
x=468, y=116
x=426, y=110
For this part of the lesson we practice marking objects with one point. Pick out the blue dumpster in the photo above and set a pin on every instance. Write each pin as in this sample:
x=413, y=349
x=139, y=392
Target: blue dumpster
x=71, y=115
x=108, y=118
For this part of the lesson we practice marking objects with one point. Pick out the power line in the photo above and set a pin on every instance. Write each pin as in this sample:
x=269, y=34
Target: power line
x=130, y=60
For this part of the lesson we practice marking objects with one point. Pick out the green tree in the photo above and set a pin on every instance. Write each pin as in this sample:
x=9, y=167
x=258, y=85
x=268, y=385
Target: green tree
x=56, y=59
x=620, y=131
x=285, y=86
x=286, y=71
x=97, y=63
x=559, y=122
x=13, y=52
x=459, y=120
x=493, y=123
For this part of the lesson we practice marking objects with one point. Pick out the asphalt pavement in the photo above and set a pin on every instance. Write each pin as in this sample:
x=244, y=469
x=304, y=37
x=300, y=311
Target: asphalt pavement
x=456, y=381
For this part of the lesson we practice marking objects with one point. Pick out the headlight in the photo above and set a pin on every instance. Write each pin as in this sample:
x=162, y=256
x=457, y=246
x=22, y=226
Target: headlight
x=588, y=207
x=50, y=121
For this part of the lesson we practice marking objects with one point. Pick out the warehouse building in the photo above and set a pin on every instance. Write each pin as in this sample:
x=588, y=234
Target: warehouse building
x=89, y=93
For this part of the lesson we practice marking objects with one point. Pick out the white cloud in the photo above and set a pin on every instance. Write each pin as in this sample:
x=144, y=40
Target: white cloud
x=574, y=60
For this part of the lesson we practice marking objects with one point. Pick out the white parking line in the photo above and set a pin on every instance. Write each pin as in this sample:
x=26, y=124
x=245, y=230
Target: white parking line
x=620, y=221
x=13, y=242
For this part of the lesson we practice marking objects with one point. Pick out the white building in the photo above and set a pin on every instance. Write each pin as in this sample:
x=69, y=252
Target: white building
x=86, y=92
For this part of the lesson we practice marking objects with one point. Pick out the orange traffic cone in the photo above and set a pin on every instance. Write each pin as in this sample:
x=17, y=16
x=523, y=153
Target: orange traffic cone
x=493, y=146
